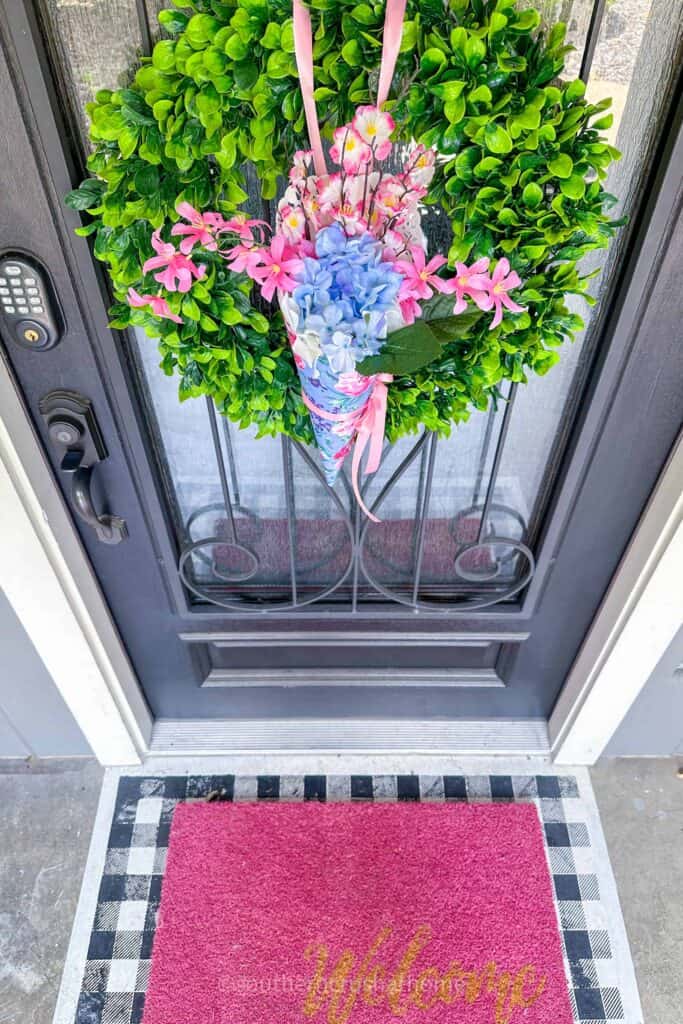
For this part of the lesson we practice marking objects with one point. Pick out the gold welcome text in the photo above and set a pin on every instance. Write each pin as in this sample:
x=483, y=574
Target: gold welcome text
x=337, y=988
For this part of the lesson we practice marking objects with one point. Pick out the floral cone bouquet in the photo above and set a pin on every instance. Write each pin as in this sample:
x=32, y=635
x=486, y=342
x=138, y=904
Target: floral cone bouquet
x=348, y=263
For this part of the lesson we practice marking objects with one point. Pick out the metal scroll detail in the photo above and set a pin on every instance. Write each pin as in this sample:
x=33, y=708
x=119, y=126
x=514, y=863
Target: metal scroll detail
x=486, y=565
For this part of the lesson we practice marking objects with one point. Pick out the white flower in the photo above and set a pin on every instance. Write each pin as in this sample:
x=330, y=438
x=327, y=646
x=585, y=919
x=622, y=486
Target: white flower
x=290, y=198
x=374, y=128
x=394, y=319
x=293, y=223
x=356, y=190
x=290, y=311
x=307, y=347
x=411, y=229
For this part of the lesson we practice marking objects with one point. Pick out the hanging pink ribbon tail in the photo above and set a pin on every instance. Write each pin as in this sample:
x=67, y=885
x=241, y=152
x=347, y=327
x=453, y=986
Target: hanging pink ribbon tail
x=368, y=423
x=303, y=51
x=391, y=44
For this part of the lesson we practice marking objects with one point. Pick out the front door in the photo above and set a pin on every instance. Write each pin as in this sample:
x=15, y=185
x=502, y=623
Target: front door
x=242, y=585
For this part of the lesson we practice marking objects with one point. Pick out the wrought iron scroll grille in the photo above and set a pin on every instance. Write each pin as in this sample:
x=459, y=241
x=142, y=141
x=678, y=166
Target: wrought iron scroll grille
x=479, y=565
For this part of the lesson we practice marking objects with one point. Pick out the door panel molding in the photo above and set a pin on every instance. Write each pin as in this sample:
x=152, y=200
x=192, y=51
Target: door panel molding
x=331, y=638
x=327, y=677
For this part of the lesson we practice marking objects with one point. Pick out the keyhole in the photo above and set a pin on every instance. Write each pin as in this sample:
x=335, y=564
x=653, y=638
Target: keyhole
x=31, y=335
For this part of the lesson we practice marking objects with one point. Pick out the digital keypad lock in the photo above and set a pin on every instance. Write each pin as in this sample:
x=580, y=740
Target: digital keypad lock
x=27, y=303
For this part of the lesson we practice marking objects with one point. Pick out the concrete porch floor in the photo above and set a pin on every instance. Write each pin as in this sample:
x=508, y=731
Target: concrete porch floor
x=47, y=811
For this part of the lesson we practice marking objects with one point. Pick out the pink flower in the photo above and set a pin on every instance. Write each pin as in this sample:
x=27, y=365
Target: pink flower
x=303, y=158
x=244, y=258
x=410, y=308
x=420, y=278
x=241, y=226
x=329, y=189
x=471, y=281
x=277, y=267
x=199, y=231
x=293, y=221
x=349, y=150
x=374, y=128
x=389, y=196
x=177, y=266
x=419, y=169
x=501, y=283
x=160, y=306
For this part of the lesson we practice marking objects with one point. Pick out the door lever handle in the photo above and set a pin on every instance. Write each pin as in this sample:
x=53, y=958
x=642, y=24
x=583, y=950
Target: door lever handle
x=110, y=529
x=74, y=431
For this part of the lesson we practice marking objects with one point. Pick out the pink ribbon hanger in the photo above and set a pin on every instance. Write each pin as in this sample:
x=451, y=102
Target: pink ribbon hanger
x=391, y=44
x=303, y=51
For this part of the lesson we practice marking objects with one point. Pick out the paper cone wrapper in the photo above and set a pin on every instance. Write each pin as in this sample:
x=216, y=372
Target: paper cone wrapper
x=340, y=395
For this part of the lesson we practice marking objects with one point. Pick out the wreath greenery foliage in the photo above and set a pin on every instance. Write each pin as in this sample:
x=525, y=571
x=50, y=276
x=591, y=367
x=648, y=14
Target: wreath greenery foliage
x=521, y=164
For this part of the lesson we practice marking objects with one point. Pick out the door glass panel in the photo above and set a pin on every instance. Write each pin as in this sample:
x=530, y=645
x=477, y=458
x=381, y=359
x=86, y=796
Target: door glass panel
x=94, y=45
x=635, y=62
x=253, y=519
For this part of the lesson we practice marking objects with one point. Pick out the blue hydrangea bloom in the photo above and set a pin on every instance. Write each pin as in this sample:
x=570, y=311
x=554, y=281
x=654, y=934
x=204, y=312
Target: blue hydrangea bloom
x=344, y=294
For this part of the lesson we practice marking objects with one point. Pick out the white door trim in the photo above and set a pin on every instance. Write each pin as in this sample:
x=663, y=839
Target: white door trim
x=51, y=585
x=49, y=582
x=640, y=615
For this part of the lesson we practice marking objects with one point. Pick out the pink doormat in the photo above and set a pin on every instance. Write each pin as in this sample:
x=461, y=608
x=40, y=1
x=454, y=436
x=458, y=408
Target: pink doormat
x=365, y=913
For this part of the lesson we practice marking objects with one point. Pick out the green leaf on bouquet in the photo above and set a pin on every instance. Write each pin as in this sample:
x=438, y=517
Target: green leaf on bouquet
x=413, y=347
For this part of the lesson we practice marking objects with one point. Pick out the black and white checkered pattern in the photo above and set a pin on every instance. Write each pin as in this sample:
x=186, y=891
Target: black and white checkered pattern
x=118, y=960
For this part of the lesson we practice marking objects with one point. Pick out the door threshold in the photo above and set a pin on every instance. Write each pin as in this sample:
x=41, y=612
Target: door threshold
x=466, y=737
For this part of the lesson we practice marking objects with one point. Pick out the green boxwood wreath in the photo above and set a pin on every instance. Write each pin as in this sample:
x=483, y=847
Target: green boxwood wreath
x=522, y=160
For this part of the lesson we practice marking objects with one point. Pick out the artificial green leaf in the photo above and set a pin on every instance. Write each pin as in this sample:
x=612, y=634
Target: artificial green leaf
x=280, y=65
x=561, y=166
x=529, y=118
x=236, y=48
x=87, y=196
x=146, y=180
x=475, y=51
x=163, y=55
x=404, y=351
x=574, y=187
x=271, y=37
x=448, y=90
x=455, y=110
x=574, y=91
x=245, y=75
x=173, y=21
x=482, y=94
x=431, y=60
x=532, y=195
x=414, y=347
x=128, y=140
x=497, y=139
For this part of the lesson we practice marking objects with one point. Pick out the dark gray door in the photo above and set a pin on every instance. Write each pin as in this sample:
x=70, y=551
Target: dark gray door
x=244, y=586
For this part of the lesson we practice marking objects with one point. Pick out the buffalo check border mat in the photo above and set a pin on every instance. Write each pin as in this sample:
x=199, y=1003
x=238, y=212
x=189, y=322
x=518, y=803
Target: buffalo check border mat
x=107, y=968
